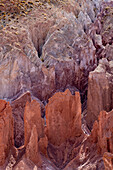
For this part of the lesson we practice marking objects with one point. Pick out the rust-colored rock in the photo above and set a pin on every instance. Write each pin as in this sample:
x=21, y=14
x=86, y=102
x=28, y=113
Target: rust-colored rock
x=63, y=115
x=6, y=130
x=108, y=161
x=32, y=147
x=32, y=116
x=63, y=118
x=43, y=143
x=102, y=132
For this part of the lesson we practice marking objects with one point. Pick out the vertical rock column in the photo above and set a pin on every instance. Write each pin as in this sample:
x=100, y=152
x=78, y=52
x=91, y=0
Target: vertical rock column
x=34, y=130
x=63, y=118
x=6, y=130
x=63, y=113
x=100, y=91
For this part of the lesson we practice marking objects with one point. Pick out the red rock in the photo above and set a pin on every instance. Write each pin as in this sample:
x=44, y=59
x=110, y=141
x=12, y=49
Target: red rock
x=102, y=132
x=63, y=117
x=43, y=143
x=32, y=116
x=32, y=147
x=6, y=130
x=108, y=161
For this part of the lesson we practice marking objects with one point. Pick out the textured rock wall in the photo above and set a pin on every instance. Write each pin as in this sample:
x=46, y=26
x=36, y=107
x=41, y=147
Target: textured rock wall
x=18, y=107
x=64, y=133
x=6, y=130
x=63, y=117
x=100, y=91
x=32, y=116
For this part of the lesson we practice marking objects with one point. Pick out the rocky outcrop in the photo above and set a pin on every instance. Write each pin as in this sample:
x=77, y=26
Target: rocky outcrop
x=100, y=91
x=63, y=118
x=18, y=107
x=73, y=53
x=101, y=32
x=32, y=116
x=102, y=132
x=32, y=152
x=17, y=64
x=6, y=130
x=50, y=49
x=35, y=36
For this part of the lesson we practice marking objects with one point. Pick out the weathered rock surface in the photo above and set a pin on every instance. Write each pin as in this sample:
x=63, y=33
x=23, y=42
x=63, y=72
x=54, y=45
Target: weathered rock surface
x=53, y=35
x=108, y=160
x=101, y=32
x=18, y=107
x=63, y=117
x=32, y=116
x=6, y=130
x=20, y=58
x=74, y=53
x=53, y=48
x=100, y=91
x=43, y=144
x=102, y=132
x=32, y=152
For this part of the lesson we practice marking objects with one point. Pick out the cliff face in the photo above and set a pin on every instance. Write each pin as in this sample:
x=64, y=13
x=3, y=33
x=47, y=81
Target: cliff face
x=56, y=69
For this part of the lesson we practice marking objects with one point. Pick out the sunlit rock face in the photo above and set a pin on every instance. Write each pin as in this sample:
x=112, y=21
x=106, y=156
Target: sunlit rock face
x=32, y=116
x=32, y=152
x=63, y=117
x=6, y=131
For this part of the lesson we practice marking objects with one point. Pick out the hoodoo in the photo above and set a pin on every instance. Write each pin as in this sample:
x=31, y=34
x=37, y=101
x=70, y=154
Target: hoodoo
x=56, y=84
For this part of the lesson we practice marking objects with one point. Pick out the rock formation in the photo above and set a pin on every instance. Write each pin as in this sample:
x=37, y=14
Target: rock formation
x=63, y=117
x=32, y=116
x=56, y=56
x=102, y=132
x=32, y=147
x=108, y=160
x=100, y=91
x=43, y=144
x=6, y=130
x=18, y=107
